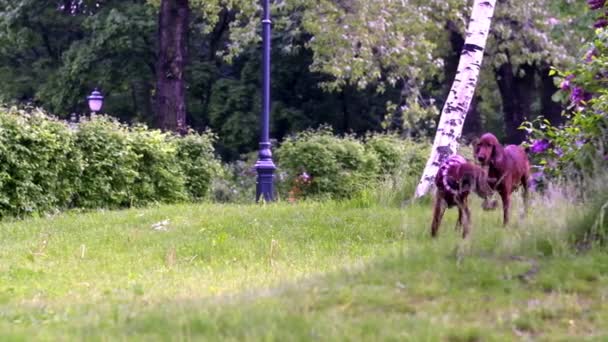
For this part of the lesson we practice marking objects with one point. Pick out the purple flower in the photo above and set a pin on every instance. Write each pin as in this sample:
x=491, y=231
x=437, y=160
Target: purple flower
x=579, y=95
x=540, y=146
x=558, y=152
x=595, y=4
x=565, y=85
x=579, y=143
x=590, y=54
x=536, y=179
x=304, y=176
x=601, y=22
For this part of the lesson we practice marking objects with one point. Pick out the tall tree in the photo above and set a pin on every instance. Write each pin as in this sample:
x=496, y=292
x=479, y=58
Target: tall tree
x=170, y=96
x=459, y=99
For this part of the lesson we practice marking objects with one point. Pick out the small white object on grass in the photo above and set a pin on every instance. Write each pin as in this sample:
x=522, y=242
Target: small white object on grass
x=162, y=225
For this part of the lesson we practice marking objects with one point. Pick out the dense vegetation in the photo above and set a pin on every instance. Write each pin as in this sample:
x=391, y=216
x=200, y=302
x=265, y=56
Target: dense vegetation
x=343, y=254
x=48, y=165
x=388, y=65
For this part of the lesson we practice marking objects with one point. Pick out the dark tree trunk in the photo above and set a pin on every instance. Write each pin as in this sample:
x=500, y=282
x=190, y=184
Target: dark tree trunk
x=473, y=126
x=517, y=93
x=551, y=110
x=172, y=38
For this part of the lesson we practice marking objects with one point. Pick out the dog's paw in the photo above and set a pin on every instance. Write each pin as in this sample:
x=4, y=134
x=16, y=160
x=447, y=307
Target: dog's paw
x=489, y=205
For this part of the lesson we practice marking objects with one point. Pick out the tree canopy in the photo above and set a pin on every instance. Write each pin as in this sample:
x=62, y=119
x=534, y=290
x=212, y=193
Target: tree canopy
x=355, y=65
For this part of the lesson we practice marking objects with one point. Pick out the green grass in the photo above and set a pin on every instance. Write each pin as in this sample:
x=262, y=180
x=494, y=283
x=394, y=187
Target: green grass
x=320, y=271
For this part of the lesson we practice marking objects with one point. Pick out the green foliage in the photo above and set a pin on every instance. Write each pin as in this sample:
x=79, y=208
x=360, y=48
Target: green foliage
x=341, y=167
x=47, y=165
x=580, y=146
x=337, y=166
x=396, y=154
x=110, y=163
x=196, y=156
x=39, y=164
x=160, y=172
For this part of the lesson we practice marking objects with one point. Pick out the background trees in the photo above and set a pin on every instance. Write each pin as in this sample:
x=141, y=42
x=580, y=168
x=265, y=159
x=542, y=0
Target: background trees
x=355, y=65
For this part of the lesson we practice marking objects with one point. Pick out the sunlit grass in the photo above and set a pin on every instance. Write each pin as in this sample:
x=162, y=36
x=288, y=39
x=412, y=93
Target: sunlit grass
x=330, y=271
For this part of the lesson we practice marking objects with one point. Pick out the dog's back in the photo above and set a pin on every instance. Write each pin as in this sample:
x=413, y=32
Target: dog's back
x=518, y=165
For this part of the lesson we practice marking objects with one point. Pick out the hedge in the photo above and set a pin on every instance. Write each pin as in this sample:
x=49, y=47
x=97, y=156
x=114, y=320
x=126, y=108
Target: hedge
x=47, y=165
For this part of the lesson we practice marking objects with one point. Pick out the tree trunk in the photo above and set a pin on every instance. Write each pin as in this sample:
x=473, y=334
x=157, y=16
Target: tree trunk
x=459, y=99
x=517, y=93
x=172, y=51
x=472, y=124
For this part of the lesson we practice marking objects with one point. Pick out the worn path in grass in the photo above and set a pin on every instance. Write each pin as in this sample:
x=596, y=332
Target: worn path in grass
x=296, y=272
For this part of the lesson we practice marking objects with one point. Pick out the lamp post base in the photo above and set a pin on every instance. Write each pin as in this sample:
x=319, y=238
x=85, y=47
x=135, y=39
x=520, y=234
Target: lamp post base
x=265, y=180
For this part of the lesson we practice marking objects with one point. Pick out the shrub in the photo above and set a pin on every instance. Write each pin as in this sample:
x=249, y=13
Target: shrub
x=39, y=165
x=402, y=162
x=318, y=163
x=46, y=165
x=337, y=166
x=581, y=143
x=160, y=176
x=196, y=157
x=110, y=164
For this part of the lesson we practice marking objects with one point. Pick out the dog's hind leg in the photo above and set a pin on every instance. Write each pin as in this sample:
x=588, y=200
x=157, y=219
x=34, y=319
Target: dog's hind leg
x=466, y=218
x=438, y=211
x=506, y=205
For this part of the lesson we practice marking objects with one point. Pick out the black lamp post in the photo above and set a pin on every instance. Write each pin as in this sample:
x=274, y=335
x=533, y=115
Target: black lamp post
x=265, y=166
x=95, y=101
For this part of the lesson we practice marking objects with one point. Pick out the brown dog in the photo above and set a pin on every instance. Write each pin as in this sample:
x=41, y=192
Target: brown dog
x=508, y=169
x=455, y=179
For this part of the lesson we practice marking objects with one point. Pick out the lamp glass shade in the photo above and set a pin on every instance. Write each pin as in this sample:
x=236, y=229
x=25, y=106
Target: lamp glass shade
x=95, y=101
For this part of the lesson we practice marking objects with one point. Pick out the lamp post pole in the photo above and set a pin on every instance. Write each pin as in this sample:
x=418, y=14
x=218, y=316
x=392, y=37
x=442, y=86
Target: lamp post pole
x=265, y=166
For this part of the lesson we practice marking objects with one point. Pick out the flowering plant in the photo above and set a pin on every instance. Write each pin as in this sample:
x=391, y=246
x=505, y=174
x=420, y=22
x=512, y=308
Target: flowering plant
x=580, y=145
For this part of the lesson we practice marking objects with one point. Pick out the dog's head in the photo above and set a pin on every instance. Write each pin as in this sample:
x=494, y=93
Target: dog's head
x=475, y=179
x=488, y=150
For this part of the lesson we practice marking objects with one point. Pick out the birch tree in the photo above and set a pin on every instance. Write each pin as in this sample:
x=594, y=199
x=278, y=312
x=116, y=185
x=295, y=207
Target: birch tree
x=459, y=99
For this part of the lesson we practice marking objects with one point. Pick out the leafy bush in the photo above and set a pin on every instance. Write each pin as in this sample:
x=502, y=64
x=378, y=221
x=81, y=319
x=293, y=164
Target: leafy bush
x=160, y=176
x=316, y=162
x=39, y=165
x=335, y=166
x=110, y=164
x=46, y=165
x=196, y=157
x=581, y=144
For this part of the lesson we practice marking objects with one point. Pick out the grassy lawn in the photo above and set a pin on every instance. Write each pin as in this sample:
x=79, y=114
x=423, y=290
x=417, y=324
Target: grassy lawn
x=322, y=271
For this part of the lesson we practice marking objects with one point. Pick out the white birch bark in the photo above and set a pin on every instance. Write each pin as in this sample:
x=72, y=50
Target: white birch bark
x=459, y=99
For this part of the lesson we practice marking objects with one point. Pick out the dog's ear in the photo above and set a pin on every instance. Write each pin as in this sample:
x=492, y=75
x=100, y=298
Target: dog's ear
x=497, y=155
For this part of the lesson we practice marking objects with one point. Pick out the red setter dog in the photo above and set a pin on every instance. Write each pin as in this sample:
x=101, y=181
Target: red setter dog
x=455, y=179
x=508, y=169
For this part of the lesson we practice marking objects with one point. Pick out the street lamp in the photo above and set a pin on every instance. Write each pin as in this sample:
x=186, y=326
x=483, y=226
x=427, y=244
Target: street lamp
x=95, y=101
x=264, y=166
